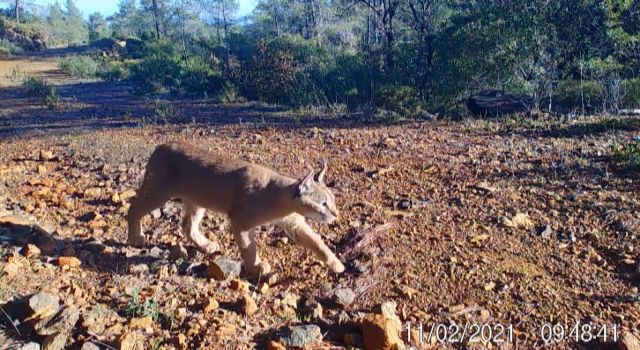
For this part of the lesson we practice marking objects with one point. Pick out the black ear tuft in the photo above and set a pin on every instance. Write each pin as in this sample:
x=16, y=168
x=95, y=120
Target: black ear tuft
x=320, y=175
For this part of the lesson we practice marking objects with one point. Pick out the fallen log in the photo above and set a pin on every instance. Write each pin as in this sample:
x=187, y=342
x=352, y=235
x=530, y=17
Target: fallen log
x=494, y=103
x=629, y=112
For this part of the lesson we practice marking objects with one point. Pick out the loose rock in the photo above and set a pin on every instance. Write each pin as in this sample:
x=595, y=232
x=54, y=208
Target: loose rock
x=223, y=269
x=380, y=333
x=343, y=296
x=62, y=322
x=301, y=336
x=210, y=306
x=42, y=306
x=132, y=341
x=31, y=250
x=55, y=341
x=70, y=261
x=248, y=305
x=274, y=345
x=546, y=232
x=89, y=346
x=520, y=220
x=141, y=322
x=97, y=318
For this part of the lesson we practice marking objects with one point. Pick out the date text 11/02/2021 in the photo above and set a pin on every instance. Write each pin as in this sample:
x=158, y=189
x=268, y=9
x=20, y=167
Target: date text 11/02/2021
x=499, y=333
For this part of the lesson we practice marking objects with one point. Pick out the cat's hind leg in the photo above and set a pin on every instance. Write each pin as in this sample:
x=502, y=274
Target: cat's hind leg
x=191, y=217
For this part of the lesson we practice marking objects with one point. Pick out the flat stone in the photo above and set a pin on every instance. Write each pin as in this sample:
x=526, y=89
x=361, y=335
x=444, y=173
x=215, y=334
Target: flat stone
x=301, y=336
x=132, y=341
x=31, y=250
x=55, y=341
x=29, y=346
x=43, y=305
x=69, y=261
x=89, y=346
x=97, y=318
x=223, y=269
x=380, y=333
x=248, y=305
x=343, y=296
x=62, y=322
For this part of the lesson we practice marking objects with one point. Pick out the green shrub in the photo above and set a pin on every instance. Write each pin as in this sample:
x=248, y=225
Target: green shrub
x=115, y=70
x=631, y=88
x=281, y=72
x=629, y=154
x=163, y=68
x=570, y=94
x=402, y=100
x=197, y=76
x=8, y=48
x=79, y=66
x=160, y=69
x=163, y=110
x=229, y=94
x=38, y=87
x=17, y=75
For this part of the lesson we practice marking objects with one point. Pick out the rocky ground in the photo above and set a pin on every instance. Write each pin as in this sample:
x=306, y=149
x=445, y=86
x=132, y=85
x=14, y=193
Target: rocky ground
x=517, y=225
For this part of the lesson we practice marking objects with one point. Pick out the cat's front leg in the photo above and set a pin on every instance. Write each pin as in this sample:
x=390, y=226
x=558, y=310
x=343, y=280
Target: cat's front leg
x=248, y=246
x=297, y=228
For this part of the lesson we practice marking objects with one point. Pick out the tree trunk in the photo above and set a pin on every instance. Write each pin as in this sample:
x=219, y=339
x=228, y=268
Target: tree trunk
x=17, y=8
x=218, y=29
x=156, y=18
x=224, y=19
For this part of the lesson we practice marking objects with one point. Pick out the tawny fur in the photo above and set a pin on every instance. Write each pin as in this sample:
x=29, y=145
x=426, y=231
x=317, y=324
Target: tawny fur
x=249, y=194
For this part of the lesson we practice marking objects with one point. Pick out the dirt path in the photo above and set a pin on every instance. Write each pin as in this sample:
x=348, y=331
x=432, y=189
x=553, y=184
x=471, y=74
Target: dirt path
x=519, y=226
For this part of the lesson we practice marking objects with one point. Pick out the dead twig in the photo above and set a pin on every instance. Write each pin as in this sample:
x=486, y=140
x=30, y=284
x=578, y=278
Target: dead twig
x=362, y=239
x=93, y=338
x=10, y=321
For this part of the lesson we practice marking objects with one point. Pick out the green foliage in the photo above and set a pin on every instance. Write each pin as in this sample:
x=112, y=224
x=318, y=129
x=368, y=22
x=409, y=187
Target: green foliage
x=290, y=70
x=229, y=94
x=629, y=154
x=398, y=99
x=103, y=68
x=98, y=27
x=115, y=70
x=8, y=48
x=164, y=68
x=38, y=87
x=163, y=110
x=135, y=308
x=17, y=75
x=198, y=77
x=279, y=75
x=397, y=56
x=631, y=88
x=576, y=94
x=67, y=26
x=79, y=66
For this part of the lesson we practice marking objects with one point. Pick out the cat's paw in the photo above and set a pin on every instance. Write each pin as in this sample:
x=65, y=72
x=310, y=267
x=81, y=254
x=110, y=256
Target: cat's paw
x=261, y=269
x=210, y=248
x=336, y=266
x=137, y=241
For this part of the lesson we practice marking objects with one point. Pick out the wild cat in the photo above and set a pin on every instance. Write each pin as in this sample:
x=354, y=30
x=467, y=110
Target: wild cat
x=249, y=194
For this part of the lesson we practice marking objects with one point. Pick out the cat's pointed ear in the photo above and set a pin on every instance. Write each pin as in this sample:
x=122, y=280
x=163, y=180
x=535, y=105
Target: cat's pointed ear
x=305, y=184
x=320, y=175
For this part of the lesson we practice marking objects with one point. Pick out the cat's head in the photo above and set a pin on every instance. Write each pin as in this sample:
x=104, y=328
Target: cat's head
x=314, y=198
